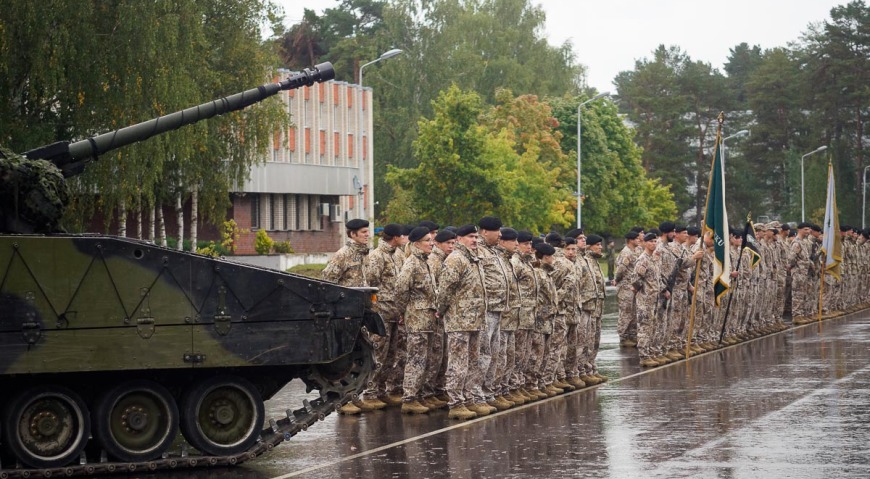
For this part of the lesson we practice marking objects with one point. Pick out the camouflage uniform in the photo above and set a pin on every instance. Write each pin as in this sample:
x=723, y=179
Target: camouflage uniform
x=510, y=319
x=594, y=309
x=415, y=294
x=801, y=267
x=668, y=264
x=439, y=385
x=495, y=277
x=567, y=290
x=347, y=266
x=649, y=286
x=527, y=285
x=544, y=358
x=679, y=302
x=627, y=322
x=382, y=272
x=462, y=303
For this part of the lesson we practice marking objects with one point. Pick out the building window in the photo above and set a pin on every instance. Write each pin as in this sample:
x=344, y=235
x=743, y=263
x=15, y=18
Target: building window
x=290, y=212
x=302, y=212
x=255, y=212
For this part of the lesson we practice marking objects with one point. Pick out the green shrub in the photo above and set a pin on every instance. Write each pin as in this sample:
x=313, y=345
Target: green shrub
x=263, y=244
x=283, y=247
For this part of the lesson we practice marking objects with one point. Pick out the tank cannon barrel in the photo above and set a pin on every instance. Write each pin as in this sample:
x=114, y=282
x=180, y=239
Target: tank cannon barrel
x=71, y=158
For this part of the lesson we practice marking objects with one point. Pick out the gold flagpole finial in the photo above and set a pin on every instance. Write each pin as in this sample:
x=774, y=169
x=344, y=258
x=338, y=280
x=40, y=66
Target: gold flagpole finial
x=749, y=217
x=721, y=117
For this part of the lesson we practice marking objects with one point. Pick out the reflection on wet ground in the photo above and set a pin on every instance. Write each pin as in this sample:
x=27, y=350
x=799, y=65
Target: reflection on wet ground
x=788, y=405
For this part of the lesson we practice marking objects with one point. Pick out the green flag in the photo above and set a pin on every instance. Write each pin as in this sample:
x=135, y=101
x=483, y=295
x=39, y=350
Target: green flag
x=716, y=222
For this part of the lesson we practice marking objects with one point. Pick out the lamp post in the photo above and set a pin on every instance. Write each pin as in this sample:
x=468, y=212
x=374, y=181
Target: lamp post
x=739, y=133
x=817, y=150
x=367, y=173
x=864, y=197
x=579, y=148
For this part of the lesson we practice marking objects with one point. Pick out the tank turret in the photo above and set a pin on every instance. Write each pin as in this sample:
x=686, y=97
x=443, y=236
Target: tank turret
x=33, y=193
x=110, y=347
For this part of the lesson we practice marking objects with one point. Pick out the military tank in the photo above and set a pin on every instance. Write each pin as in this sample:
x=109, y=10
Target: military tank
x=110, y=346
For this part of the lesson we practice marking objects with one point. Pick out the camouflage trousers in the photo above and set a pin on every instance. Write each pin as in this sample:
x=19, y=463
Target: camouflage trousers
x=489, y=350
x=574, y=346
x=626, y=325
x=422, y=363
x=390, y=357
x=463, y=366
x=536, y=377
x=646, y=328
x=592, y=340
x=677, y=318
x=523, y=355
x=438, y=386
x=506, y=362
x=557, y=348
x=801, y=298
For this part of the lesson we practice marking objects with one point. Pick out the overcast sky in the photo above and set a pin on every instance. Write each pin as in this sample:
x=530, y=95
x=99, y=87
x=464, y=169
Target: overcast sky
x=609, y=35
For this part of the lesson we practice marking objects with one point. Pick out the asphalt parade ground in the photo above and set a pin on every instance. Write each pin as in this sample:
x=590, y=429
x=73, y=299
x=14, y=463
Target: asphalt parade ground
x=793, y=404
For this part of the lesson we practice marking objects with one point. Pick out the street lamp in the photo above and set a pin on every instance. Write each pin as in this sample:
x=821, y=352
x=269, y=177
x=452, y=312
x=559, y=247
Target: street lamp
x=864, y=197
x=817, y=150
x=367, y=174
x=739, y=133
x=579, y=147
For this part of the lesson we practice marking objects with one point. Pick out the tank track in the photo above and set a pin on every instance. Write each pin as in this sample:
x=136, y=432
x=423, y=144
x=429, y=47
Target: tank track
x=334, y=393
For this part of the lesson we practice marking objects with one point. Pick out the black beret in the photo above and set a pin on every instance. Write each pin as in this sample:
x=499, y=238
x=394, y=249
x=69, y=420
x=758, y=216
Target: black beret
x=524, y=236
x=593, y=240
x=450, y=228
x=545, y=249
x=466, y=230
x=680, y=228
x=816, y=228
x=803, y=225
x=845, y=228
x=553, y=238
x=667, y=226
x=509, y=234
x=537, y=240
x=570, y=241
x=655, y=231
x=393, y=230
x=445, y=235
x=574, y=233
x=418, y=233
x=429, y=224
x=489, y=223
x=631, y=235
x=637, y=229
x=785, y=227
x=406, y=230
x=356, y=224
x=650, y=237
x=735, y=231
x=693, y=231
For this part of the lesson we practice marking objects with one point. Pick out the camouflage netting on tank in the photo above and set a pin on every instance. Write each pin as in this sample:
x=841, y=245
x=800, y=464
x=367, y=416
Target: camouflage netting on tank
x=33, y=194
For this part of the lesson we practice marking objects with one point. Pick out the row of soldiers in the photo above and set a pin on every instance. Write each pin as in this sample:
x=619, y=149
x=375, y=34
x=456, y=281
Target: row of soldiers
x=477, y=318
x=658, y=271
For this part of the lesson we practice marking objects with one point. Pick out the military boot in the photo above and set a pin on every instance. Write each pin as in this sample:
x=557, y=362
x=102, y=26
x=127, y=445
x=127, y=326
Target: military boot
x=560, y=384
x=392, y=399
x=525, y=394
x=577, y=382
x=539, y=394
x=602, y=377
x=461, y=413
x=443, y=398
x=590, y=380
x=516, y=398
x=481, y=409
x=649, y=363
x=349, y=409
x=673, y=355
x=367, y=405
x=414, y=407
x=433, y=403
x=500, y=403
x=554, y=389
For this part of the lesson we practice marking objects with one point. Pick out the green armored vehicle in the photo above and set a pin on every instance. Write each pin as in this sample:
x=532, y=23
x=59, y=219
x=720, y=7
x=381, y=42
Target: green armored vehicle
x=109, y=346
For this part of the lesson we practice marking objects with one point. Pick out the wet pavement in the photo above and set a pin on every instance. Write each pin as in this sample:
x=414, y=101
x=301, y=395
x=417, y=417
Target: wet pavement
x=793, y=404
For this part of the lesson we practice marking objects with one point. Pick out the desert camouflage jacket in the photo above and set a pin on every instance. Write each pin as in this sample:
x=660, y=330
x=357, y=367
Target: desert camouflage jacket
x=347, y=266
x=382, y=272
x=461, y=296
x=527, y=287
x=415, y=293
x=495, y=276
x=548, y=300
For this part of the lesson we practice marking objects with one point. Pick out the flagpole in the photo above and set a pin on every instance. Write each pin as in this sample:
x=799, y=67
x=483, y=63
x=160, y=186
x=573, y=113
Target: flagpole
x=821, y=288
x=720, y=119
x=737, y=282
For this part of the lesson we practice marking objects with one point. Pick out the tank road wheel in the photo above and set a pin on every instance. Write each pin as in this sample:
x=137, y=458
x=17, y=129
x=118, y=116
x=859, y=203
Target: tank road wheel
x=346, y=375
x=136, y=421
x=46, y=426
x=222, y=416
